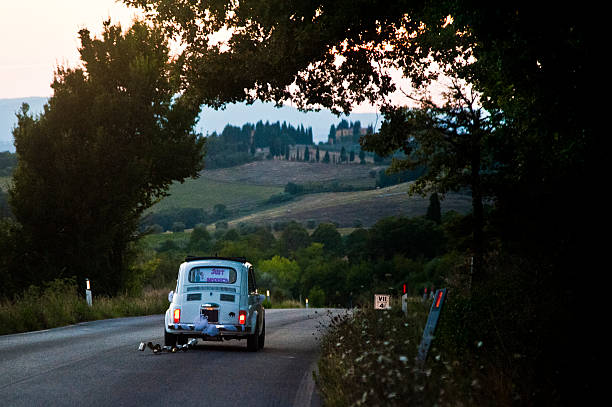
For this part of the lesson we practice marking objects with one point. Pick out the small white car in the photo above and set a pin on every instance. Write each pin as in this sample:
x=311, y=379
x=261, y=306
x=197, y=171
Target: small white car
x=215, y=299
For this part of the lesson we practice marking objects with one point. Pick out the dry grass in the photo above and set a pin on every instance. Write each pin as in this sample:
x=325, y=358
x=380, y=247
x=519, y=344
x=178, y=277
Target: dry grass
x=59, y=304
x=368, y=358
x=280, y=172
x=347, y=208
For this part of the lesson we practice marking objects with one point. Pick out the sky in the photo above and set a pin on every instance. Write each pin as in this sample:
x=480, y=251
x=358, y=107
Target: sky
x=37, y=36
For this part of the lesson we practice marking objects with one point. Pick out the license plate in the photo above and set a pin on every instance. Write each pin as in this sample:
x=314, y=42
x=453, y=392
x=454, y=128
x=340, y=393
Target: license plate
x=211, y=314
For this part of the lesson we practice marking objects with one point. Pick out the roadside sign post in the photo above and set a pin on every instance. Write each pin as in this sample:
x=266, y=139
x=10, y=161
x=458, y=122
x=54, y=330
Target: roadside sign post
x=404, y=299
x=432, y=322
x=88, y=292
x=382, y=301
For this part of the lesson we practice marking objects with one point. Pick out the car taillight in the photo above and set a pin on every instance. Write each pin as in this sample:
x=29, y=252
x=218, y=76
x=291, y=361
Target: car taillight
x=177, y=315
x=242, y=318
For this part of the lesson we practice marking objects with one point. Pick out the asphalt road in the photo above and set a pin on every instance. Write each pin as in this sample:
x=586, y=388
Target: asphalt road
x=98, y=364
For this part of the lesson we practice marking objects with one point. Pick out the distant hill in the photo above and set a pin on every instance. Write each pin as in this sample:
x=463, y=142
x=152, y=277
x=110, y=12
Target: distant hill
x=211, y=120
x=245, y=190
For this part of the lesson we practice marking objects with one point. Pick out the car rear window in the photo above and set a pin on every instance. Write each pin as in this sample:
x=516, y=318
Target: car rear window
x=225, y=275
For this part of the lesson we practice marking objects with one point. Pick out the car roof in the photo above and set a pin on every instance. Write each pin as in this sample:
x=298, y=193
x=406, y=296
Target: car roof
x=198, y=258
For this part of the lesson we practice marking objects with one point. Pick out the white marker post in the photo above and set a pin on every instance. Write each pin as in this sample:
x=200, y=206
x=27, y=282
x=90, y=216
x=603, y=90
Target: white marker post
x=306, y=303
x=88, y=292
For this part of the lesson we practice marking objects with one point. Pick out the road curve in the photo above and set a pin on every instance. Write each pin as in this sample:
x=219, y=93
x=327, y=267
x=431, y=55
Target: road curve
x=98, y=363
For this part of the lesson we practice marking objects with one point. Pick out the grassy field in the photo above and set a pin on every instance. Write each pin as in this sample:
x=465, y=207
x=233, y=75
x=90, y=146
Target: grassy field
x=246, y=188
x=206, y=192
x=279, y=173
x=351, y=208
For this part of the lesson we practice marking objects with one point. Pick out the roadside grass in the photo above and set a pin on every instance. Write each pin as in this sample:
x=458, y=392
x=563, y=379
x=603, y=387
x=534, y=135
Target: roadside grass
x=368, y=358
x=59, y=304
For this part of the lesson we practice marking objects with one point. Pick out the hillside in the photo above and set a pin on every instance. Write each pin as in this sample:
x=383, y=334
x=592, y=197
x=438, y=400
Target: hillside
x=349, y=209
x=246, y=188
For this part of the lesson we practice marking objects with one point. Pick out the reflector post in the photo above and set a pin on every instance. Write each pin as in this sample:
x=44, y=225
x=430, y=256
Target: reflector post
x=440, y=292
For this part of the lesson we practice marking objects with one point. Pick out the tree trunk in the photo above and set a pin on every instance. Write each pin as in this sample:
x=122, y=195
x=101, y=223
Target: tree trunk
x=477, y=213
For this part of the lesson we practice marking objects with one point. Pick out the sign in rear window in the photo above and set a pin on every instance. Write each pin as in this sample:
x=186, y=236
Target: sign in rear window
x=225, y=275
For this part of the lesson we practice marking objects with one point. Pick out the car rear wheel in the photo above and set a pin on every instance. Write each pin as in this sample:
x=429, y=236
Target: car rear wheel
x=253, y=342
x=262, y=336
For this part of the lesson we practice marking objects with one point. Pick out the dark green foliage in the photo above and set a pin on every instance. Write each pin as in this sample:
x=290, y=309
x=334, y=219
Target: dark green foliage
x=189, y=216
x=237, y=145
x=433, y=210
x=280, y=198
x=293, y=238
x=199, y=240
x=356, y=244
x=178, y=227
x=167, y=246
x=104, y=149
x=5, y=210
x=8, y=161
x=293, y=189
x=343, y=157
x=384, y=178
x=328, y=235
x=413, y=238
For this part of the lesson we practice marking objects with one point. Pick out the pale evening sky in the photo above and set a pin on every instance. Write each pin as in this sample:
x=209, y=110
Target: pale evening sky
x=36, y=36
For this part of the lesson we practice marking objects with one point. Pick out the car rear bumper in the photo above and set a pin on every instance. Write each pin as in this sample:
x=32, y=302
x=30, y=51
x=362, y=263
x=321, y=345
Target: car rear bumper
x=217, y=330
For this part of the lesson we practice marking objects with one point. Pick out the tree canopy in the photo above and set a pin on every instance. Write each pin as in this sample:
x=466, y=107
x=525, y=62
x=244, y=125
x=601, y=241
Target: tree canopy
x=110, y=141
x=531, y=142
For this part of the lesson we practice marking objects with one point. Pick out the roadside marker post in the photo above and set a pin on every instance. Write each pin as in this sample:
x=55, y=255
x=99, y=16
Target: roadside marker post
x=432, y=322
x=404, y=299
x=405, y=304
x=88, y=291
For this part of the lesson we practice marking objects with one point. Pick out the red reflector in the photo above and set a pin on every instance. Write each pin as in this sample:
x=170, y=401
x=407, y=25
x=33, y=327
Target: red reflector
x=404, y=288
x=242, y=318
x=439, y=298
x=177, y=315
